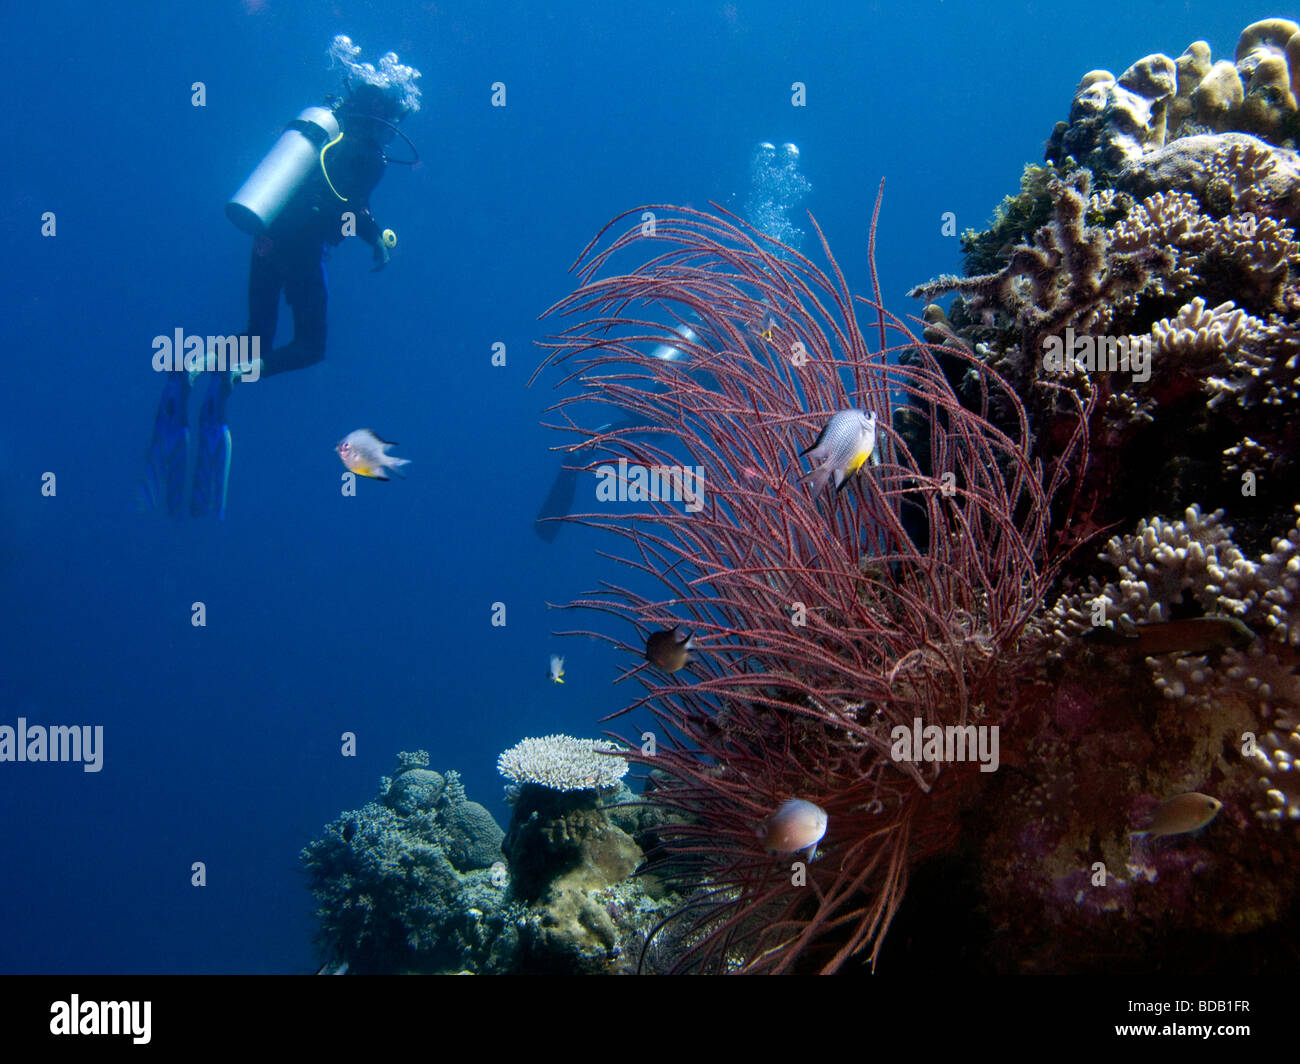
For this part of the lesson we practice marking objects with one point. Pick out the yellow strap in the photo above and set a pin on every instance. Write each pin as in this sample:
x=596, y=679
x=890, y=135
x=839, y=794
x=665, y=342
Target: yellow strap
x=325, y=172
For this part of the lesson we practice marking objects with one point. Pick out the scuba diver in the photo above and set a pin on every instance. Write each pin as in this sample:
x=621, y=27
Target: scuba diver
x=311, y=190
x=558, y=503
x=775, y=188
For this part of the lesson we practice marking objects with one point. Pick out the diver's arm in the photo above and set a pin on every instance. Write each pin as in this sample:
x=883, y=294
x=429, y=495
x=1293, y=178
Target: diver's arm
x=367, y=227
x=368, y=230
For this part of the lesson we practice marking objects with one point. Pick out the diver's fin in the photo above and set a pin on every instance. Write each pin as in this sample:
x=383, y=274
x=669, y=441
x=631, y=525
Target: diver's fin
x=164, y=474
x=212, y=467
x=558, y=503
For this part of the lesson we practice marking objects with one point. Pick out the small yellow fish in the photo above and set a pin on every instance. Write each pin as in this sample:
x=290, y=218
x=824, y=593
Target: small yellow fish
x=367, y=455
x=1181, y=814
x=557, y=669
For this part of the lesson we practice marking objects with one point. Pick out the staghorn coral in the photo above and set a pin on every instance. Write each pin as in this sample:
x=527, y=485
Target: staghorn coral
x=563, y=763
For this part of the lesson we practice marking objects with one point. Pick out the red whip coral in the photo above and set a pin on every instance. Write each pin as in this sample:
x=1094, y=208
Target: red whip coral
x=821, y=623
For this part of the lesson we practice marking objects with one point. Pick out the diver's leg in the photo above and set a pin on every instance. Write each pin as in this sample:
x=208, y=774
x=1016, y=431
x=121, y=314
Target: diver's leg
x=306, y=292
x=164, y=475
x=264, y=285
x=212, y=466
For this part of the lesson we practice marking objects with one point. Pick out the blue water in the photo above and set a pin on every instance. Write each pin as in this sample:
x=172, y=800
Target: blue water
x=372, y=614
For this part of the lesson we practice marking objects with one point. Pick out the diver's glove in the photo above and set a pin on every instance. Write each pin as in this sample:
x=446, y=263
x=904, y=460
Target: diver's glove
x=379, y=257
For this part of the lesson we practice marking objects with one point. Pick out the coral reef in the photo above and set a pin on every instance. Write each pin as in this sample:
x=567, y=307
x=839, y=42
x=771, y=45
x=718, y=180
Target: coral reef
x=1192, y=567
x=1160, y=283
x=1129, y=340
x=423, y=880
x=1178, y=314
x=405, y=883
x=1118, y=732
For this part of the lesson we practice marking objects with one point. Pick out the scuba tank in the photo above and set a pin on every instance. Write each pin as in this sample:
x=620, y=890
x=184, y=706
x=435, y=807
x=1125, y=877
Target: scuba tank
x=271, y=186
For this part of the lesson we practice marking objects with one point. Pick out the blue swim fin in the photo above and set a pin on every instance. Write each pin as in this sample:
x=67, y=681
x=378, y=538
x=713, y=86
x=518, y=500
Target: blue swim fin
x=212, y=466
x=164, y=474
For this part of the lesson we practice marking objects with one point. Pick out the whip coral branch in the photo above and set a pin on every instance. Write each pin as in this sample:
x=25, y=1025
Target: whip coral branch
x=820, y=622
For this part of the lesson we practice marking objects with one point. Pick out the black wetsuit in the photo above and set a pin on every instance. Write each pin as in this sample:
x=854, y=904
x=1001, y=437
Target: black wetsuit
x=291, y=258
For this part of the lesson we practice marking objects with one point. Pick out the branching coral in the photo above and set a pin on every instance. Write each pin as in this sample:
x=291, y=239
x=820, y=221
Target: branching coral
x=1074, y=274
x=1168, y=699
x=1207, y=293
x=1192, y=567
